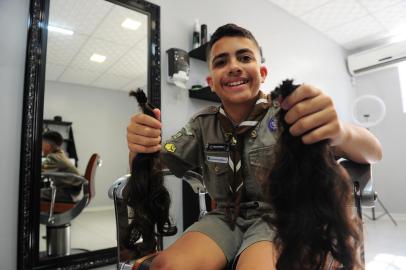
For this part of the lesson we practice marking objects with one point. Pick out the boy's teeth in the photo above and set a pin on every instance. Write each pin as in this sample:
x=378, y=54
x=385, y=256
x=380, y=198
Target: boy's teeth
x=235, y=83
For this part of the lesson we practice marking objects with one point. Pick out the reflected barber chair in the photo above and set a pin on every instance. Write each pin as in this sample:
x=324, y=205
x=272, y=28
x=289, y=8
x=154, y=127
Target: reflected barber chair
x=57, y=215
x=360, y=175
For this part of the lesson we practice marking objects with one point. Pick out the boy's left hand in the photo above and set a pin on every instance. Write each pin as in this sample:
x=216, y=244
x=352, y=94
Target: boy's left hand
x=312, y=115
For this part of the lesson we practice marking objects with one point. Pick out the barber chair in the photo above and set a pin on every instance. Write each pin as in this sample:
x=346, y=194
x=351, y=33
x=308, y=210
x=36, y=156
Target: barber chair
x=363, y=197
x=57, y=215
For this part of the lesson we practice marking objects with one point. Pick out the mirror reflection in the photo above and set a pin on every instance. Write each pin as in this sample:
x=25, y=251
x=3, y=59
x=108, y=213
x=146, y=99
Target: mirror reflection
x=96, y=53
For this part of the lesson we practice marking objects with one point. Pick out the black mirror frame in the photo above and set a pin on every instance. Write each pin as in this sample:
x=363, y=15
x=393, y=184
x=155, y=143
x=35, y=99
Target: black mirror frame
x=30, y=158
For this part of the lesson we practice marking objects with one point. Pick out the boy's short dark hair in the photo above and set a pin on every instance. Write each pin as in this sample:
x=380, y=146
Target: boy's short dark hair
x=53, y=137
x=230, y=30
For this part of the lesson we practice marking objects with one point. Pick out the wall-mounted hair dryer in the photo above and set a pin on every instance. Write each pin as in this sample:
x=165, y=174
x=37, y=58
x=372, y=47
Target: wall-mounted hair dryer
x=178, y=67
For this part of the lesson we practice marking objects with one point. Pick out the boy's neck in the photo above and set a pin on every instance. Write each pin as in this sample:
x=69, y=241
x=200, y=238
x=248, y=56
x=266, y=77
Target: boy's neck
x=239, y=112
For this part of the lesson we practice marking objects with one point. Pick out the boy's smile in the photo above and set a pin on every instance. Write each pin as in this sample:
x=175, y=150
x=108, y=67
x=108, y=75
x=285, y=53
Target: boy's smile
x=235, y=71
x=235, y=83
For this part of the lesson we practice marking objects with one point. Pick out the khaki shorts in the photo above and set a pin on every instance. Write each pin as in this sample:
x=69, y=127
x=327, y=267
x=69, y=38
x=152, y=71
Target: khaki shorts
x=250, y=228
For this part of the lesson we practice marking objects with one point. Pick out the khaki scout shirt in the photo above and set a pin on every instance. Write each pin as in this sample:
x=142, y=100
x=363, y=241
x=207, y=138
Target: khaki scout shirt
x=58, y=162
x=68, y=188
x=187, y=150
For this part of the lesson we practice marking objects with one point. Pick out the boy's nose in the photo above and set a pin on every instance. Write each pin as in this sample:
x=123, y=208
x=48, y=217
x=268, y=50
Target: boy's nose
x=234, y=68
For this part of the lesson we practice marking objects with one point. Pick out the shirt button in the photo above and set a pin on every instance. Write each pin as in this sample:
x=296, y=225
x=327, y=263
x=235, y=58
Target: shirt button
x=254, y=134
x=216, y=169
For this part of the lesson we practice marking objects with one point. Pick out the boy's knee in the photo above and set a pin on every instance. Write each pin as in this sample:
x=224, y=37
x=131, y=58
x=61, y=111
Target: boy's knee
x=163, y=261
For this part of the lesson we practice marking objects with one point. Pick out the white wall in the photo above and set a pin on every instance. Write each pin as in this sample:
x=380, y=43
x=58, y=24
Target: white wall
x=290, y=48
x=388, y=175
x=13, y=33
x=99, y=120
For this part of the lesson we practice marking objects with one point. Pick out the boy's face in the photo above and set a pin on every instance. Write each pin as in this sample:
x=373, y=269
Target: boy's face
x=46, y=148
x=235, y=70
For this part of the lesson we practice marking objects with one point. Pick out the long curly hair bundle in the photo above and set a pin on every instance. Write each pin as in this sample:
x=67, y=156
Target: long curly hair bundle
x=312, y=197
x=147, y=197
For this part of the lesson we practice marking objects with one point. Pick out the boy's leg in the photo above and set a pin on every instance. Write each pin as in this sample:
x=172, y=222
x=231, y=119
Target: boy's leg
x=193, y=251
x=258, y=256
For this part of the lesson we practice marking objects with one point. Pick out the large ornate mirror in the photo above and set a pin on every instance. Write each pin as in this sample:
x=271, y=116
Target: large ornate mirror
x=83, y=57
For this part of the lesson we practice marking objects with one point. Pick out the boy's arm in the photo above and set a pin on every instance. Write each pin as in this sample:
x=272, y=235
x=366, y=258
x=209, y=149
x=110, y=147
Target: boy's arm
x=359, y=145
x=312, y=115
x=179, y=153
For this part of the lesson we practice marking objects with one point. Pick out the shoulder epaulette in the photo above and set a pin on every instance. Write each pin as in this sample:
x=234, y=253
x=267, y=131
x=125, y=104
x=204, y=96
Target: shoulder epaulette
x=206, y=111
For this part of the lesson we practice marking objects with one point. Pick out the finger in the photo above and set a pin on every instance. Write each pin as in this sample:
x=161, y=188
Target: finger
x=146, y=120
x=142, y=140
x=310, y=122
x=322, y=133
x=143, y=130
x=136, y=148
x=157, y=113
x=304, y=91
x=307, y=107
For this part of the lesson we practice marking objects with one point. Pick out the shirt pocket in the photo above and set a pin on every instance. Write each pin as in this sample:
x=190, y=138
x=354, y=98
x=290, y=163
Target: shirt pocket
x=261, y=162
x=217, y=168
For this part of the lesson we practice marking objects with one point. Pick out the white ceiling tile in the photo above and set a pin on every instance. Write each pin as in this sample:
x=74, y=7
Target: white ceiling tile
x=112, y=51
x=299, y=7
x=110, y=29
x=336, y=16
x=394, y=17
x=53, y=71
x=134, y=62
x=78, y=15
x=111, y=81
x=376, y=5
x=333, y=14
x=355, y=30
x=365, y=42
x=79, y=76
x=62, y=48
x=97, y=29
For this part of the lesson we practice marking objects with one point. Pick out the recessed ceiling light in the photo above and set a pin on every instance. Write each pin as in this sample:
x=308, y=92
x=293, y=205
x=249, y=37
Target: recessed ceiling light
x=130, y=24
x=60, y=30
x=97, y=58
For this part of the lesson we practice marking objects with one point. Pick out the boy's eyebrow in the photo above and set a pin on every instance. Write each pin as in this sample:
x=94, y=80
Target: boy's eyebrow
x=241, y=51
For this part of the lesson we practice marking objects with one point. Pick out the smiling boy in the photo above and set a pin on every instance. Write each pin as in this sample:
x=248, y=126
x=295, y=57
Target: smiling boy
x=233, y=144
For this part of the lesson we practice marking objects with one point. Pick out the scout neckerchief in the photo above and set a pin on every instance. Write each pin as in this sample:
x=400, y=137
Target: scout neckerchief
x=235, y=139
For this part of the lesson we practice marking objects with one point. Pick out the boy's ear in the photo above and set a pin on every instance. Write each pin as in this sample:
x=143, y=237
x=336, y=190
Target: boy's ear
x=209, y=80
x=264, y=72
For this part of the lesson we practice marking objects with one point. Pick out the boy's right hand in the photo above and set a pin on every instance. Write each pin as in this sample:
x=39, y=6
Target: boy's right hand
x=144, y=133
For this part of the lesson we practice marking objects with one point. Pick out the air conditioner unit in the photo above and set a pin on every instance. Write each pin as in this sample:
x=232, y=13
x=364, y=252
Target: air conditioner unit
x=376, y=58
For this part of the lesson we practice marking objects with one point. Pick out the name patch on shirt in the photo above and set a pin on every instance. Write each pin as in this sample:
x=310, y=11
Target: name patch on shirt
x=216, y=159
x=217, y=147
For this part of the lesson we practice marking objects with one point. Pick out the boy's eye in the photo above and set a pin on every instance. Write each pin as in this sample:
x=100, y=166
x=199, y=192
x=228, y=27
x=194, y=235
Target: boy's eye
x=219, y=62
x=245, y=58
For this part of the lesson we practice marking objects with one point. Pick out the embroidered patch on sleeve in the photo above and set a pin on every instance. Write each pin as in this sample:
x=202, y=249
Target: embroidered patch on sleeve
x=273, y=124
x=170, y=147
x=177, y=135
